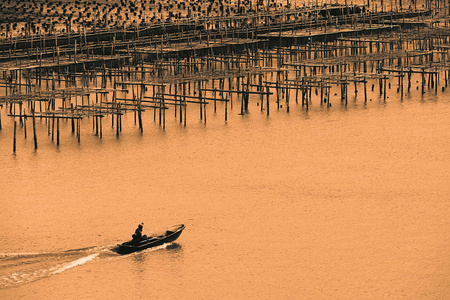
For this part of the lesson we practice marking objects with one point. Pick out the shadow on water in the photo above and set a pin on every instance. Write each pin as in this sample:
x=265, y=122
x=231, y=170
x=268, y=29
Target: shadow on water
x=173, y=248
x=17, y=269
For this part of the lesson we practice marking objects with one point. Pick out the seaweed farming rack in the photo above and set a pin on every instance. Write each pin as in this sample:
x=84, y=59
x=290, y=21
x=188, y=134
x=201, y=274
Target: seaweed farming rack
x=280, y=60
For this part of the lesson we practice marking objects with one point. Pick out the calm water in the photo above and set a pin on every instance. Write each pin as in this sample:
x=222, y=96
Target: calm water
x=341, y=203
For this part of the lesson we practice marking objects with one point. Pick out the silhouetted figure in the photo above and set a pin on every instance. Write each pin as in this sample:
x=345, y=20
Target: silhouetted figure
x=137, y=236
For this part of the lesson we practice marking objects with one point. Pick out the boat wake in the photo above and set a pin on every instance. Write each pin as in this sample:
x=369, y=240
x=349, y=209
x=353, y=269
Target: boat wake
x=20, y=268
x=17, y=269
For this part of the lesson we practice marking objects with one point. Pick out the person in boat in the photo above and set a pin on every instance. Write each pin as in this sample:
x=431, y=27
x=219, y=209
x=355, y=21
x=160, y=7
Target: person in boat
x=138, y=233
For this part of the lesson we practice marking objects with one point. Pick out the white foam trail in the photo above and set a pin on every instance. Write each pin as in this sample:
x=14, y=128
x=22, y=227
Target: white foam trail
x=2, y=255
x=74, y=263
x=37, y=265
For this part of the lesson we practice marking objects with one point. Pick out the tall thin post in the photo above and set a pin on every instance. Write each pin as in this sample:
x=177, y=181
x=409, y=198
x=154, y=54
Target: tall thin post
x=34, y=129
x=14, y=139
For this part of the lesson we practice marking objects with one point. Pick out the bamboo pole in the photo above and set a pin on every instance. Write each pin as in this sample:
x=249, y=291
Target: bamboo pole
x=14, y=139
x=34, y=130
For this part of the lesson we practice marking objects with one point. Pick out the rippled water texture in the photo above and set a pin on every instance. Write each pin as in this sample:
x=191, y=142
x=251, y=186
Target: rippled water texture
x=345, y=203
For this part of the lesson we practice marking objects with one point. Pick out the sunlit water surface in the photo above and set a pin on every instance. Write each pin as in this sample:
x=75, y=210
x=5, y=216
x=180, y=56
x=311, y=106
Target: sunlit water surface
x=341, y=203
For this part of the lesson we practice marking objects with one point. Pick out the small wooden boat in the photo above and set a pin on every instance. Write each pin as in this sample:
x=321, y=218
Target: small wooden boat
x=156, y=239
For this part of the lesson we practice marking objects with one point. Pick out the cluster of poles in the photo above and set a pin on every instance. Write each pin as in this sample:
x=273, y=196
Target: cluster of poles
x=83, y=85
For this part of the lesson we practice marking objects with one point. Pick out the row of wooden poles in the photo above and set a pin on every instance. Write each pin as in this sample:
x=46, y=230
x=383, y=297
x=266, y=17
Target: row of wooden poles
x=213, y=28
x=160, y=100
x=246, y=74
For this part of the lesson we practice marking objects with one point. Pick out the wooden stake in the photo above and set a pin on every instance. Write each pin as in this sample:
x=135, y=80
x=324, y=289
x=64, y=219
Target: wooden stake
x=226, y=109
x=53, y=127
x=365, y=90
x=34, y=130
x=78, y=129
x=57, y=132
x=25, y=124
x=14, y=140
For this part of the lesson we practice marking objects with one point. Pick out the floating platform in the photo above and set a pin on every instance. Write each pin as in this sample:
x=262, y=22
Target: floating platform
x=74, y=63
x=301, y=37
x=182, y=50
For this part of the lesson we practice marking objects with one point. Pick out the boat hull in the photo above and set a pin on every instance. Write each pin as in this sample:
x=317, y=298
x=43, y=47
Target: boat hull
x=170, y=235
